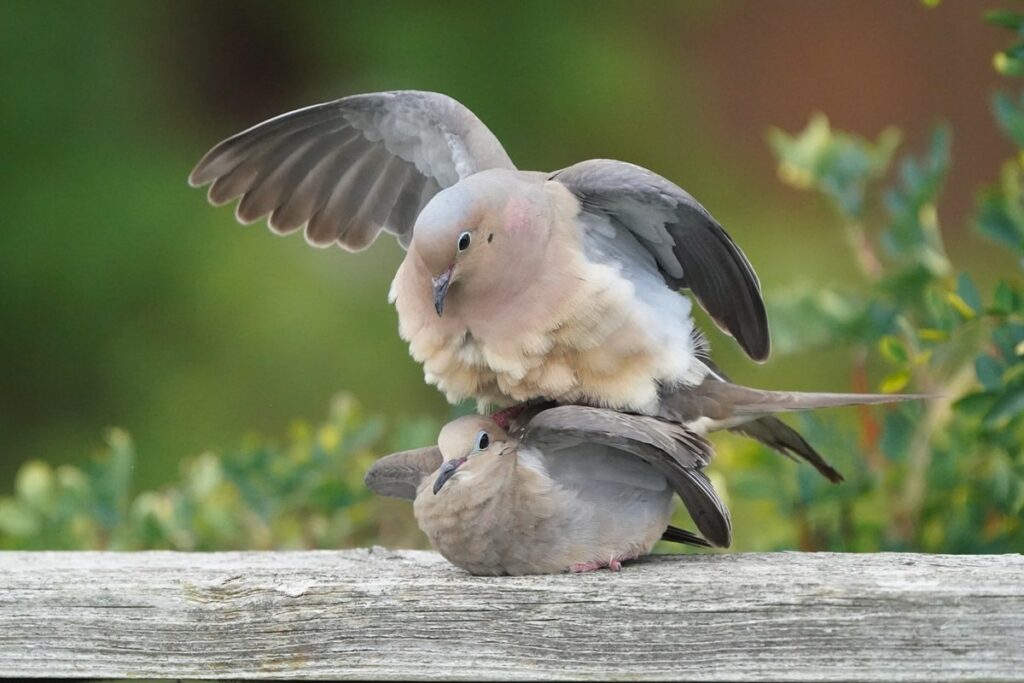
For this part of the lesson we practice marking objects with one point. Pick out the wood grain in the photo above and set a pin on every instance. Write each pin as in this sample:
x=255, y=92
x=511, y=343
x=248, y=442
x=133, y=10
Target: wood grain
x=379, y=614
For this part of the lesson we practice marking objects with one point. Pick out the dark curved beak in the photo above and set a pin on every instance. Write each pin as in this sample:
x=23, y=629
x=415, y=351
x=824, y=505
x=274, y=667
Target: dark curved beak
x=441, y=284
x=447, y=470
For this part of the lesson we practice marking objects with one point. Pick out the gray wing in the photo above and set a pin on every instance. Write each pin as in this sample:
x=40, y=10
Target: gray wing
x=690, y=247
x=347, y=169
x=399, y=475
x=675, y=452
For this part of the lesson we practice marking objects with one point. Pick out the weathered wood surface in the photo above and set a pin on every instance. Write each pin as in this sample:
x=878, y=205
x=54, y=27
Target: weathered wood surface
x=405, y=614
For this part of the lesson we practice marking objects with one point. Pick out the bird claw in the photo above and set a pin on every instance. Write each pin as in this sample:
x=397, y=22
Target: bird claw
x=504, y=417
x=614, y=564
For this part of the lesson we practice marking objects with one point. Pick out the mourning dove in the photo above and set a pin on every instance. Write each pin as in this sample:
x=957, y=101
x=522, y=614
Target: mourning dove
x=517, y=285
x=578, y=489
x=718, y=404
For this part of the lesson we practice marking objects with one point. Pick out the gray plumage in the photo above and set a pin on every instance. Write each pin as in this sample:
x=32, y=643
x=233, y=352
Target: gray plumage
x=617, y=240
x=689, y=246
x=568, y=286
x=577, y=488
x=348, y=169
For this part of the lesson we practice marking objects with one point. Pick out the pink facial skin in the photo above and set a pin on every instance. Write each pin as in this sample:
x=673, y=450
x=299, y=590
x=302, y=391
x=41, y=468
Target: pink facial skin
x=517, y=216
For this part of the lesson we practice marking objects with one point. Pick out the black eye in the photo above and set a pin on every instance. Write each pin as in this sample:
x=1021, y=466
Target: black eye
x=464, y=240
x=482, y=441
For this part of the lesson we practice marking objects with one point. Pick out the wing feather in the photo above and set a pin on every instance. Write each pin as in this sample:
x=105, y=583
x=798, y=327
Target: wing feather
x=677, y=453
x=330, y=167
x=399, y=475
x=689, y=246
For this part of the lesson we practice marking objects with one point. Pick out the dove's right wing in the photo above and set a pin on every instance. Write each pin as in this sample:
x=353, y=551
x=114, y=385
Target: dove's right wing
x=688, y=246
x=675, y=452
x=347, y=169
x=399, y=475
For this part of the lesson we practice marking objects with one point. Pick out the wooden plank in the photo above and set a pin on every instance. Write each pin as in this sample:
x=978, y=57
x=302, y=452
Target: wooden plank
x=382, y=614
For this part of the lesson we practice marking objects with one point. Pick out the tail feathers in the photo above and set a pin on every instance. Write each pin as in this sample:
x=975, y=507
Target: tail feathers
x=707, y=510
x=776, y=434
x=747, y=401
x=677, y=535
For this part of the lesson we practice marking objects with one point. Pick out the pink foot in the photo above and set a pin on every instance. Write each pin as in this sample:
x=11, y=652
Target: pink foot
x=581, y=567
x=614, y=564
x=504, y=417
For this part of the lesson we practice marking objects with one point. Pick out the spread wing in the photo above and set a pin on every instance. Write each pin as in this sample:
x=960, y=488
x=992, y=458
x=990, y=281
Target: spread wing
x=690, y=247
x=345, y=170
x=675, y=452
x=399, y=475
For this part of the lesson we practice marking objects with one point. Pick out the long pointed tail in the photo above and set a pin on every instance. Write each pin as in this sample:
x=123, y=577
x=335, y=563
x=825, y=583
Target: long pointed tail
x=719, y=404
x=745, y=401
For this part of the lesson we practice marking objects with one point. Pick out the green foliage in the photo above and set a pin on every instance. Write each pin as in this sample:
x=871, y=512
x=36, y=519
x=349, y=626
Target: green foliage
x=307, y=493
x=1010, y=61
x=838, y=164
x=946, y=474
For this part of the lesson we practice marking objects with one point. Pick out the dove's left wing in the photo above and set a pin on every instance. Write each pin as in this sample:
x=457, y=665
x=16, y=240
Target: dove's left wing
x=345, y=170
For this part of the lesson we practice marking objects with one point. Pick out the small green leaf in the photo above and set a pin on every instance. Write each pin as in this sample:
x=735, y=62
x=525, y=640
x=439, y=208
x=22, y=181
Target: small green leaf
x=1010, y=115
x=960, y=305
x=1006, y=407
x=989, y=371
x=968, y=292
x=893, y=349
x=1008, y=62
x=1005, y=18
x=895, y=382
x=1004, y=300
x=976, y=404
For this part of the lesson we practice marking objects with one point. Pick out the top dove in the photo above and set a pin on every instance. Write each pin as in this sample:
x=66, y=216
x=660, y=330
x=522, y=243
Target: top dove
x=517, y=285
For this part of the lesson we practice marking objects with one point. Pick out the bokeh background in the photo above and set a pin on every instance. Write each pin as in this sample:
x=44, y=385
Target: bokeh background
x=126, y=300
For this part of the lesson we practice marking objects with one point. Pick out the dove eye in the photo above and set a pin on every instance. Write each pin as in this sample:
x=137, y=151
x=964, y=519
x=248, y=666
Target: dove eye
x=482, y=441
x=464, y=240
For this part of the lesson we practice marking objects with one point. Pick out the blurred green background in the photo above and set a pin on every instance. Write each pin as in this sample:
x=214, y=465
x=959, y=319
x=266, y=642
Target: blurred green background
x=126, y=300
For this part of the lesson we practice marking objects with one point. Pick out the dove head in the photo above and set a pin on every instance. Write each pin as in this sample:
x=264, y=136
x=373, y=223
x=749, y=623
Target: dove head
x=473, y=447
x=482, y=236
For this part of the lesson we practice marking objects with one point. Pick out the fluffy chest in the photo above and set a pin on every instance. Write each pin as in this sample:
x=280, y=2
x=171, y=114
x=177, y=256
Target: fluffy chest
x=587, y=335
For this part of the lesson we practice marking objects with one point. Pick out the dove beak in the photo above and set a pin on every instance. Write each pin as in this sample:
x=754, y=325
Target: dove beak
x=441, y=284
x=447, y=471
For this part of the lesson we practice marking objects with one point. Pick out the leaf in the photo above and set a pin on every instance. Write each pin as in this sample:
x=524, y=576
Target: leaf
x=1010, y=115
x=893, y=349
x=932, y=335
x=895, y=382
x=1005, y=18
x=968, y=292
x=1008, y=63
x=975, y=404
x=989, y=371
x=1006, y=407
x=1004, y=300
x=960, y=305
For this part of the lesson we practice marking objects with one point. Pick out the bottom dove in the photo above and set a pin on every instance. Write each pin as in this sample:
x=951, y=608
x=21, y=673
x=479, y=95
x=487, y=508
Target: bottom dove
x=574, y=489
